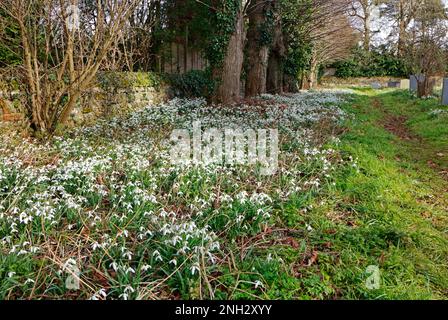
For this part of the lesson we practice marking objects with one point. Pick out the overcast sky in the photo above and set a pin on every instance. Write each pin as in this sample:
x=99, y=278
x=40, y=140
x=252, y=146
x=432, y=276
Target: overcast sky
x=384, y=27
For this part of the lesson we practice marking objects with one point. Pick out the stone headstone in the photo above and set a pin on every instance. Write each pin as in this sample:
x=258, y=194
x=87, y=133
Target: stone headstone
x=413, y=83
x=405, y=84
x=436, y=81
x=393, y=84
x=330, y=72
x=376, y=85
x=432, y=83
x=445, y=92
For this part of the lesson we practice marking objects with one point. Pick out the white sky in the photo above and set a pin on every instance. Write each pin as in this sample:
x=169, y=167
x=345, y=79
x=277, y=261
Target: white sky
x=384, y=27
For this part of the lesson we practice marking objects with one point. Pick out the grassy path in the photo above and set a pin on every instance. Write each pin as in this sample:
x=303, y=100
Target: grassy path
x=398, y=193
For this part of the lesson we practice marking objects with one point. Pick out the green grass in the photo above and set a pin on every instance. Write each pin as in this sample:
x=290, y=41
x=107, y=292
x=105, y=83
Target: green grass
x=395, y=200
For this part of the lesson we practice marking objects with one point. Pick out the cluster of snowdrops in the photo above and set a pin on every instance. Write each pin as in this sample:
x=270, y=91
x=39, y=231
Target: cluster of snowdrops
x=108, y=199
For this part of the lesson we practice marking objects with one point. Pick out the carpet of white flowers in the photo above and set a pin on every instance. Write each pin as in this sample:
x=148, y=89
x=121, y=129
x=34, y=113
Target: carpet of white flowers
x=107, y=200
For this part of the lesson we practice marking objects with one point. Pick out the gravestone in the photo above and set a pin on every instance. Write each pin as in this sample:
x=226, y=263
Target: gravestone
x=432, y=83
x=445, y=92
x=376, y=85
x=393, y=84
x=414, y=83
x=405, y=84
x=436, y=81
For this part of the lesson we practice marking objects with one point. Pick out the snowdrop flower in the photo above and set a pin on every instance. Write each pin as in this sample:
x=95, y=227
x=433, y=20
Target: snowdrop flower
x=129, y=289
x=173, y=262
x=258, y=283
x=101, y=294
x=69, y=264
x=123, y=296
x=127, y=254
x=145, y=267
x=114, y=266
x=194, y=269
x=157, y=255
x=148, y=213
x=129, y=270
x=124, y=233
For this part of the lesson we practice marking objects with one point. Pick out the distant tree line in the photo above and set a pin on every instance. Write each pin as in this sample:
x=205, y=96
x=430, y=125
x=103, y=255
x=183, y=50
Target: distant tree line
x=251, y=46
x=416, y=44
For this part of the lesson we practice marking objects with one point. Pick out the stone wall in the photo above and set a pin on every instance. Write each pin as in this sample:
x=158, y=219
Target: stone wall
x=97, y=103
x=101, y=104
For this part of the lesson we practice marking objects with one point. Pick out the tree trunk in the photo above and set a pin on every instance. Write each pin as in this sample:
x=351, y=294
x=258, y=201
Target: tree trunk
x=257, y=52
x=401, y=30
x=367, y=33
x=229, y=75
x=367, y=15
x=401, y=39
x=425, y=86
x=274, y=80
x=304, y=81
x=312, y=80
x=290, y=84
